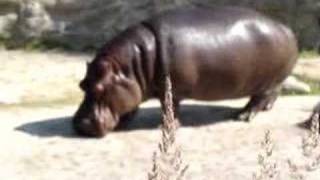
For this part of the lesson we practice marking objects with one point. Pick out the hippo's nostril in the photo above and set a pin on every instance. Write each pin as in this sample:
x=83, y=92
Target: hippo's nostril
x=86, y=127
x=82, y=127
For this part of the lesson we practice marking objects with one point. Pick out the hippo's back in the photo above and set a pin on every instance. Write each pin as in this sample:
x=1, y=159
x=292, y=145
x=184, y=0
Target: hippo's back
x=202, y=15
x=222, y=52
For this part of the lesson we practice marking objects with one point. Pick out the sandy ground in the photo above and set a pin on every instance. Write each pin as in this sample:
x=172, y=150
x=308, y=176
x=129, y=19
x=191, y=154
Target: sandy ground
x=31, y=77
x=37, y=142
x=309, y=68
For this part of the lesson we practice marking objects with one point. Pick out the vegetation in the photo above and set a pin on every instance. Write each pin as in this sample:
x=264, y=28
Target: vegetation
x=268, y=166
x=45, y=44
x=3, y=41
x=309, y=54
x=42, y=44
x=36, y=44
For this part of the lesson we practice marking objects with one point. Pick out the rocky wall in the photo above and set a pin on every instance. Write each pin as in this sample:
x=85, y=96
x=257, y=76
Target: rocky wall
x=84, y=24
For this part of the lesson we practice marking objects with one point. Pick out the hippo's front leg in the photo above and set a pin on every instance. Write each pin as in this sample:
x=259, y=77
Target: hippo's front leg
x=259, y=102
x=124, y=119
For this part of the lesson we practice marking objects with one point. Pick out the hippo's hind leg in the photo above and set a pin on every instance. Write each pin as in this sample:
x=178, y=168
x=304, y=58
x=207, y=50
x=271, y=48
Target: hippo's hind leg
x=258, y=102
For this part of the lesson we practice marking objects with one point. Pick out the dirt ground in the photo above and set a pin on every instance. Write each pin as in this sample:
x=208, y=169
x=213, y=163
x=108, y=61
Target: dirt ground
x=37, y=142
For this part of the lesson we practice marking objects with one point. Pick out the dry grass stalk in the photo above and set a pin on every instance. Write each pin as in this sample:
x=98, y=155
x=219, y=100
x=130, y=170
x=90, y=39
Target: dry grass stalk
x=167, y=162
x=311, y=141
x=310, y=145
x=295, y=171
x=310, y=152
x=268, y=167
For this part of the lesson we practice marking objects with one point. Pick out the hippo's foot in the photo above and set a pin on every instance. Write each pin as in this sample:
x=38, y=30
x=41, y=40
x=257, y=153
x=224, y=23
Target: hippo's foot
x=262, y=102
x=126, y=118
x=246, y=116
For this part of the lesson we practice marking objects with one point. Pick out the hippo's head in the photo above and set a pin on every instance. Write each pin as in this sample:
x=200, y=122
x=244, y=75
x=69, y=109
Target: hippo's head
x=110, y=91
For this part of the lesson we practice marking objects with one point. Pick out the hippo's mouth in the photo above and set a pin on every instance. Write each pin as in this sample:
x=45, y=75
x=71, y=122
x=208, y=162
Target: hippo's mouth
x=94, y=119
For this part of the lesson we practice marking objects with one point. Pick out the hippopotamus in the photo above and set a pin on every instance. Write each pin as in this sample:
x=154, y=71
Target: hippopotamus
x=210, y=54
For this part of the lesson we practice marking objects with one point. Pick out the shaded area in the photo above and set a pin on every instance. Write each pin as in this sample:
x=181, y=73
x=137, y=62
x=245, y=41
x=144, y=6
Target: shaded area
x=189, y=115
x=146, y=118
x=60, y=126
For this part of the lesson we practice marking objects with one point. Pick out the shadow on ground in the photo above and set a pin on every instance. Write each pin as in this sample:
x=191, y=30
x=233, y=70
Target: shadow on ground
x=146, y=118
x=60, y=126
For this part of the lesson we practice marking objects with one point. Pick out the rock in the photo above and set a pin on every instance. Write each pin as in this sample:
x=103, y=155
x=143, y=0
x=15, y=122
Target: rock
x=33, y=20
x=6, y=24
x=291, y=84
x=308, y=69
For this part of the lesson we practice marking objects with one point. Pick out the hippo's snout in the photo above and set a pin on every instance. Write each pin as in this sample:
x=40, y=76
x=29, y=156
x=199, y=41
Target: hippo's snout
x=85, y=127
x=93, y=120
